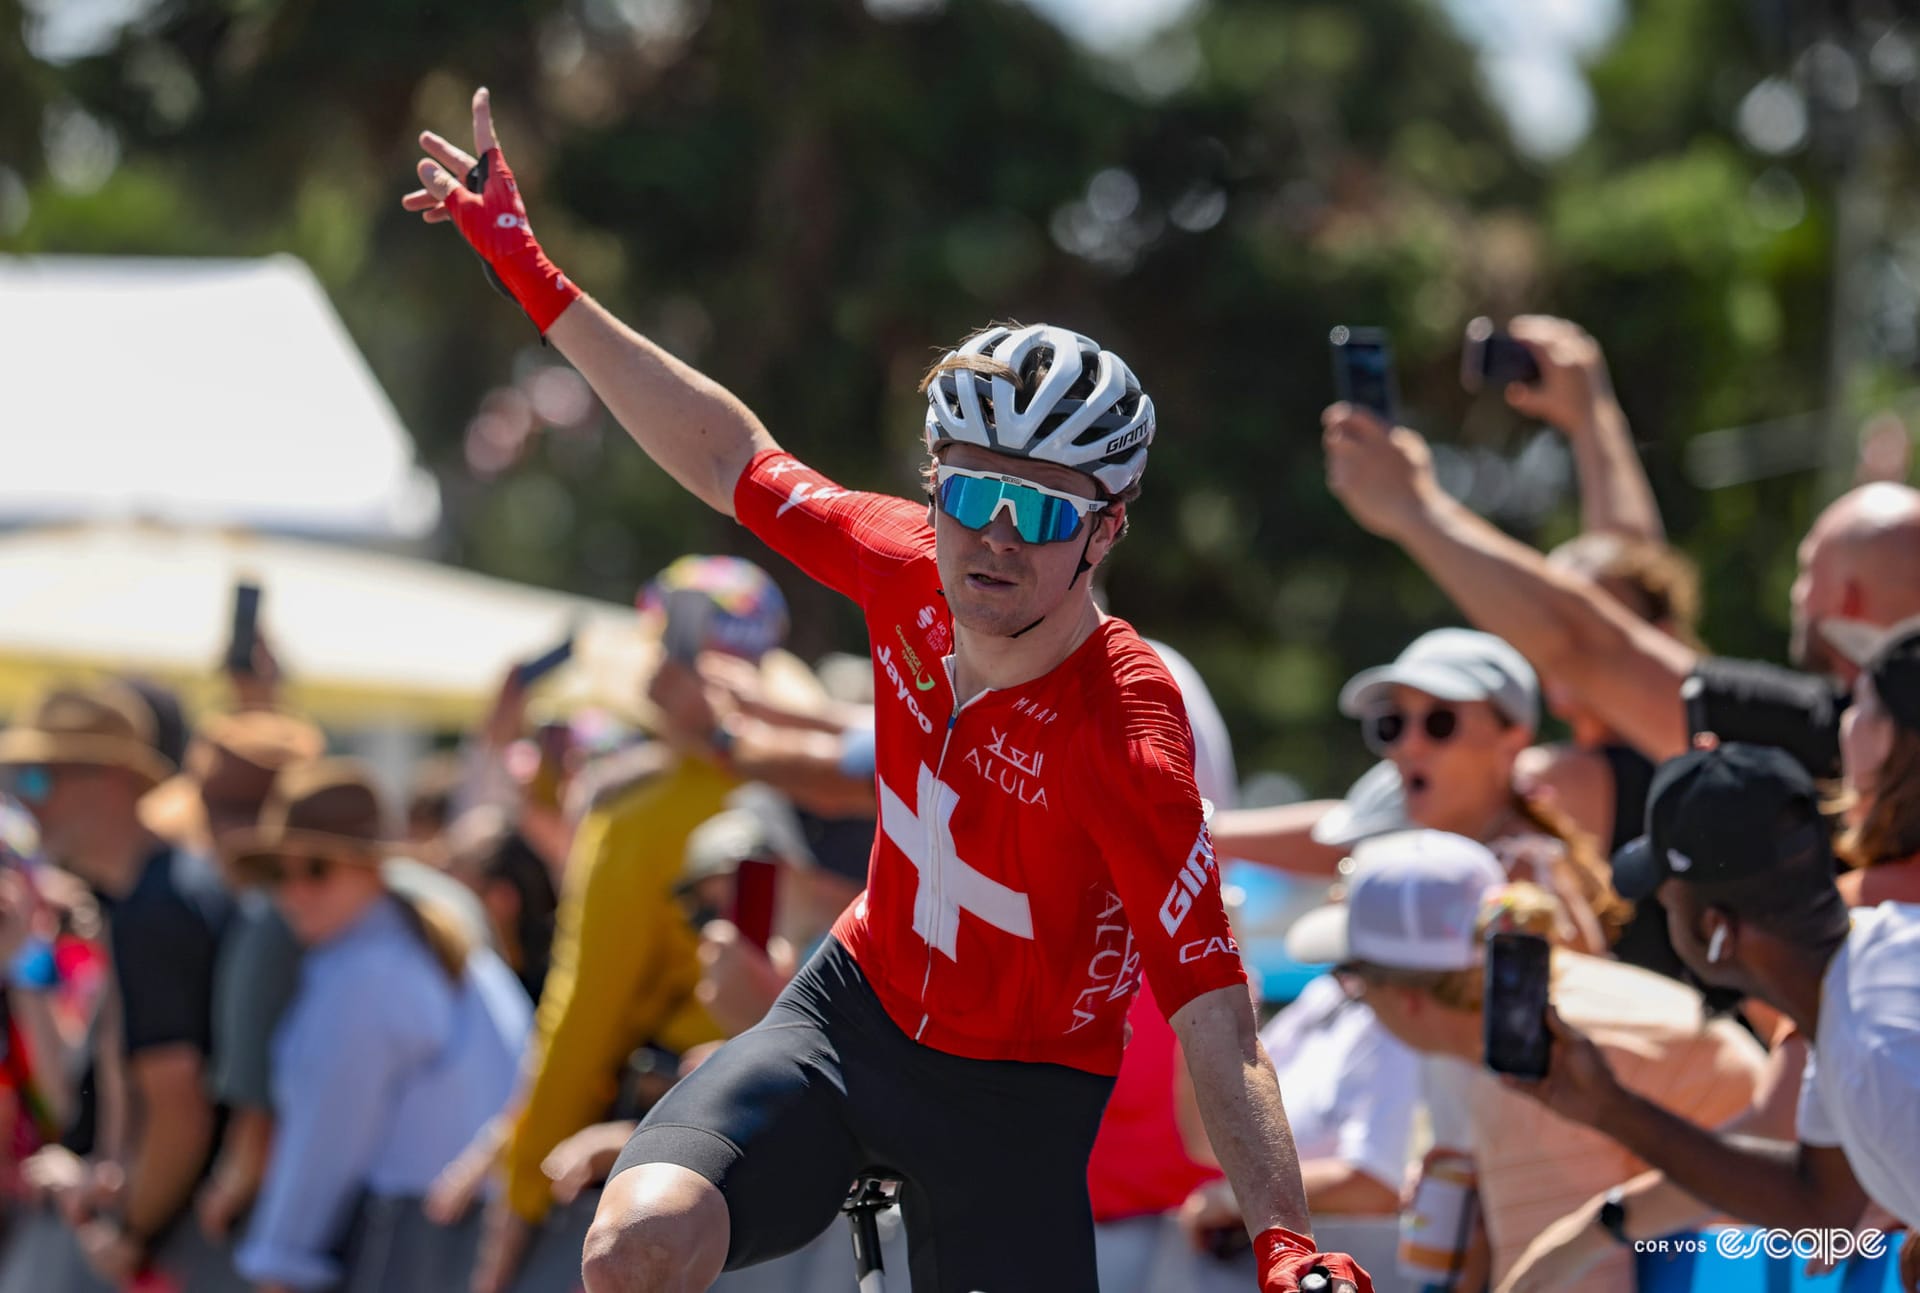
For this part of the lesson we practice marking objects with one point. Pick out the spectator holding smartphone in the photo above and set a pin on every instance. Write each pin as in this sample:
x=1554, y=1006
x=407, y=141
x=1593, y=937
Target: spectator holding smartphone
x=1597, y=779
x=1738, y=854
x=1859, y=572
x=1880, y=748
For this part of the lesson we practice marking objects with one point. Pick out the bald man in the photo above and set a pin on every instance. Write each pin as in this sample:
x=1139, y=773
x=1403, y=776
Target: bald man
x=1859, y=572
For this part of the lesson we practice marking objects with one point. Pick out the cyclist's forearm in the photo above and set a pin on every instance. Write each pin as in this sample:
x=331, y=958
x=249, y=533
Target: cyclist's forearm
x=1239, y=1099
x=693, y=427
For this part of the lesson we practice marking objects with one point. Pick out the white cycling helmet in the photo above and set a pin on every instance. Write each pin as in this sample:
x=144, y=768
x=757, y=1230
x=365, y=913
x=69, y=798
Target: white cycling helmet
x=1088, y=411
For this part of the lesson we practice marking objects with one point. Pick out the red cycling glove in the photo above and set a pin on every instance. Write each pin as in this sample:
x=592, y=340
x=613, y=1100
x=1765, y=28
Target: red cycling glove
x=493, y=220
x=1285, y=1257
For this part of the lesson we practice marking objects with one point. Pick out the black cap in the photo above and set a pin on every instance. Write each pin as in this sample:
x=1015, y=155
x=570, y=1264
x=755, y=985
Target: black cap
x=1729, y=813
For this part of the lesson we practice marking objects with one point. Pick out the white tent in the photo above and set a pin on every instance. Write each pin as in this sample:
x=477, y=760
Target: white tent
x=366, y=638
x=220, y=392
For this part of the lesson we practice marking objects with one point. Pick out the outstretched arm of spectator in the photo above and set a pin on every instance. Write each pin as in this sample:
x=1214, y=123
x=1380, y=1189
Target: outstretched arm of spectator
x=1280, y=837
x=810, y=768
x=1765, y=1181
x=1564, y=623
x=1575, y=396
x=695, y=429
x=1653, y=1203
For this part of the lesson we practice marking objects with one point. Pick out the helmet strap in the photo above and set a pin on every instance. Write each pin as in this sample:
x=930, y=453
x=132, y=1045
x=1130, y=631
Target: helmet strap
x=1080, y=568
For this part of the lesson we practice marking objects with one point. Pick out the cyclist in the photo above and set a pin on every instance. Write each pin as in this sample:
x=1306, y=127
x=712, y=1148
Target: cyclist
x=1041, y=839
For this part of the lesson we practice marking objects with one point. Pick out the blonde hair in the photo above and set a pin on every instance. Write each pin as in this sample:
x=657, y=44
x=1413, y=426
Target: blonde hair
x=1592, y=874
x=439, y=930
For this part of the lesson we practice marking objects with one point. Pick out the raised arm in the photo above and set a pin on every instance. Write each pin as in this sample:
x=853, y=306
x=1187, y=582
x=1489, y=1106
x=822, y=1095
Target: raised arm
x=1571, y=630
x=1575, y=396
x=689, y=424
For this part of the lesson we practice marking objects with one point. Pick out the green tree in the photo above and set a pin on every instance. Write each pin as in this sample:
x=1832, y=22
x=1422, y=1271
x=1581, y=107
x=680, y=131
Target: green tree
x=809, y=201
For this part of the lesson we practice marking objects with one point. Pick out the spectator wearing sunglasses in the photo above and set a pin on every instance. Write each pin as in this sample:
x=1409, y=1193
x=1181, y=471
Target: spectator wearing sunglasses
x=1596, y=781
x=1453, y=714
x=210, y=807
x=82, y=759
x=401, y=1042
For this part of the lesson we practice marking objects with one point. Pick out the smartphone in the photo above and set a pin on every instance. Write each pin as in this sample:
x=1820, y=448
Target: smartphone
x=689, y=611
x=1363, y=371
x=528, y=672
x=246, y=628
x=1489, y=357
x=752, y=915
x=1515, y=1010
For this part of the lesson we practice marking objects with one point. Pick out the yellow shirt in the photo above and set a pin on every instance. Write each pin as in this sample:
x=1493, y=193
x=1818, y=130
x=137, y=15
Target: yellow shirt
x=625, y=963
x=1535, y=1167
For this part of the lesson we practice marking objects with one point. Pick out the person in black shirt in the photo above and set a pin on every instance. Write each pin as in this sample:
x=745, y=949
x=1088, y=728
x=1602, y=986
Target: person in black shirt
x=81, y=761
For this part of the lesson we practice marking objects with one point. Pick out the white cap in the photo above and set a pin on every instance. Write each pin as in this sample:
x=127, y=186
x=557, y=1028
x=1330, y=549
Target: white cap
x=1413, y=904
x=1375, y=804
x=1452, y=664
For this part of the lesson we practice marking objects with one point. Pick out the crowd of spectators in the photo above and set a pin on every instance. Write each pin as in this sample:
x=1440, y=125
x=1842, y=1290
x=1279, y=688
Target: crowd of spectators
x=266, y=1024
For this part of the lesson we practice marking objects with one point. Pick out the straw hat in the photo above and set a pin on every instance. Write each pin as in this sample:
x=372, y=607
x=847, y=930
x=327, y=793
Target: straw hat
x=231, y=764
x=329, y=806
x=103, y=726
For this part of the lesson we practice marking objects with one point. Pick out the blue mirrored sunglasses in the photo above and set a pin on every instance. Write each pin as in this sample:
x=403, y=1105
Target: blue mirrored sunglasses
x=1040, y=515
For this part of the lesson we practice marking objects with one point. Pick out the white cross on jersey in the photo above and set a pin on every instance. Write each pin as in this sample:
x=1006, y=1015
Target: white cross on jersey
x=947, y=884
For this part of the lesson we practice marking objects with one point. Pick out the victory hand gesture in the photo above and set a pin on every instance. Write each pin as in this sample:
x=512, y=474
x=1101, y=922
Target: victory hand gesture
x=479, y=197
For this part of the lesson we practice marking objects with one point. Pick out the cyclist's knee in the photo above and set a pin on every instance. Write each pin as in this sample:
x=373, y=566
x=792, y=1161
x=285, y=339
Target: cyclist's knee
x=660, y=1228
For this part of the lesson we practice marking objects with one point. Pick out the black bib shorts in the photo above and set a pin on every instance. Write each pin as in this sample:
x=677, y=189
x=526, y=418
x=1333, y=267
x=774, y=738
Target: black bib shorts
x=992, y=1154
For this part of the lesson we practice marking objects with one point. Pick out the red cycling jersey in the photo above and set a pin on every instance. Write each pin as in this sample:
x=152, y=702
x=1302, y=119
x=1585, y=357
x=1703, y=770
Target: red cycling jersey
x=1038, y=846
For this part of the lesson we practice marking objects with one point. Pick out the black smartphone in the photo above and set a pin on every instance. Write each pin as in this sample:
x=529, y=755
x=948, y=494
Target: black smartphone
x=1515, y=1010
x=1489, y=357
x=246, y=628
x=1363, y=371
x=688, y=613
x=528, y=672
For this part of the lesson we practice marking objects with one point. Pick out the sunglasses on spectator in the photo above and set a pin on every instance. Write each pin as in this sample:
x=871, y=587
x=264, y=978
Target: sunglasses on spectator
x=1040, y=515
x=1386, y=729
x=305, y=870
